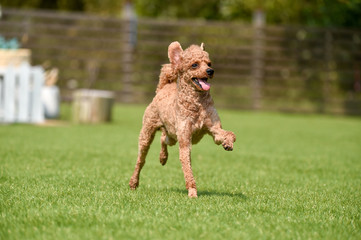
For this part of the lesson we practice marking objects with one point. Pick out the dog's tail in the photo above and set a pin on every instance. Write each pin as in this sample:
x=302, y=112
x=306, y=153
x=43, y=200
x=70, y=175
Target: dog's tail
x=167, y=75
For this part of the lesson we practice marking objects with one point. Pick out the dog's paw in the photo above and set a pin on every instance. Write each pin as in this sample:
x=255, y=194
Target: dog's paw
x=133, y=183
x=163, y=157
x=228, y=141
x=192, y=193
x=228, y=147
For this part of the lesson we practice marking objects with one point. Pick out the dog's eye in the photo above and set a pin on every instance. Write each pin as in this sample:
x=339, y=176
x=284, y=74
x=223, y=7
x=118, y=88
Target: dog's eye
x=209, y=64
x=194, y=65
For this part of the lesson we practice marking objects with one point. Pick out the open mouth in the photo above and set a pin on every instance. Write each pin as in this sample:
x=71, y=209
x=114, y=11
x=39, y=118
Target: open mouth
x=201, y=84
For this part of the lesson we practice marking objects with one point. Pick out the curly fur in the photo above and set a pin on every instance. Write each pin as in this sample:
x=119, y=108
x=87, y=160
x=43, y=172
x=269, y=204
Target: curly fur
x=182, y=110
x=167, y=75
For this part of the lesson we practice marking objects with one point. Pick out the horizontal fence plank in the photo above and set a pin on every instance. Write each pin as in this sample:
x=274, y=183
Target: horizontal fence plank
x=57, y=15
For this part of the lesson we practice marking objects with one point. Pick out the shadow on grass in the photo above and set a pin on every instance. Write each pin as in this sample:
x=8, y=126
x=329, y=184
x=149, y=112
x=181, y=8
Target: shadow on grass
x=213, y=193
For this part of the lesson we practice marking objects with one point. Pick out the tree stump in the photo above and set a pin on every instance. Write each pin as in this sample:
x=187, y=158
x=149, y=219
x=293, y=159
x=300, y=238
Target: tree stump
x=92, y=106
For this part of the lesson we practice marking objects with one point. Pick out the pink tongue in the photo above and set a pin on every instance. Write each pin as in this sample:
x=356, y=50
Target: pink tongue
x=205, y=86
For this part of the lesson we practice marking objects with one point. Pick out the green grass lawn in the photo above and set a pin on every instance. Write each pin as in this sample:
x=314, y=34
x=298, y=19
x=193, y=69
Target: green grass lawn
x=289, y=177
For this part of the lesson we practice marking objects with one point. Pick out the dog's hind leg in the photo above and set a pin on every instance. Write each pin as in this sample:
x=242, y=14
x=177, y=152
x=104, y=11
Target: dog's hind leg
x=163, y=156
x=146, y=137
x=164, y=141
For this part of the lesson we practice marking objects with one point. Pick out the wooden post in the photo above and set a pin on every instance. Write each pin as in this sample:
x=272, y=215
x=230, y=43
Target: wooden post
x=129, y=42
x=257, y=58
x=327, y=79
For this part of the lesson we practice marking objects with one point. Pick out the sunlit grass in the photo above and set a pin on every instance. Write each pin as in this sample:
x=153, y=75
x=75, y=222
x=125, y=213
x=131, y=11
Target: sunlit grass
x=289, y=177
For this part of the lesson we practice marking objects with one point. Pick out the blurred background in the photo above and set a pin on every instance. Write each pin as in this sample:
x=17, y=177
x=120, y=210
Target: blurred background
x=294, y=56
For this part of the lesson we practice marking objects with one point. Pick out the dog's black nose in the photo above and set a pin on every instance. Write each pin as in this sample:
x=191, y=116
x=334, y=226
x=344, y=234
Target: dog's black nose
x=210, y=72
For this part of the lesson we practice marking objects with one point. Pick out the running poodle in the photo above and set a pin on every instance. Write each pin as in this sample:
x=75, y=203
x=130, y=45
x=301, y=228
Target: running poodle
x=183, y=110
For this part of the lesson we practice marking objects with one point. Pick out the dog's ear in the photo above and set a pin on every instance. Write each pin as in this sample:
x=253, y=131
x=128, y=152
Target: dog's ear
x=202, y=47
x=174, y=52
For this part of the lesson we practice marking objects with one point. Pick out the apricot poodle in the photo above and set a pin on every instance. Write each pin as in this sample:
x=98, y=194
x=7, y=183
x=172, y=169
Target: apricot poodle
x=183, y=110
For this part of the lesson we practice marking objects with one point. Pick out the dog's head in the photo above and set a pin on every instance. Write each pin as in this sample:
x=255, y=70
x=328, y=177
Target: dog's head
x=193, y=64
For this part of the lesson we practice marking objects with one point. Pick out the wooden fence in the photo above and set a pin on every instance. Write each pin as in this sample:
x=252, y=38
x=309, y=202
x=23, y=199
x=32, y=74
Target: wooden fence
x=298, y=69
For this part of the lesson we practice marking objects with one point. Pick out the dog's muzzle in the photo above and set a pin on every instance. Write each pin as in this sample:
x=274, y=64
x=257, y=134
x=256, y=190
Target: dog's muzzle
x=202, y=83
x=210, y=72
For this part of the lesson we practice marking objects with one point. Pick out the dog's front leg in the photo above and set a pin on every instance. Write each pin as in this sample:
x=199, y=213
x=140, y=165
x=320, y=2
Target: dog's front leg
x=185, y=146
x=221, y=136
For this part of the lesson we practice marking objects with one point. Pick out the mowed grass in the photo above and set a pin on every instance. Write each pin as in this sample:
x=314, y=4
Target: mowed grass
x=289, y=177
